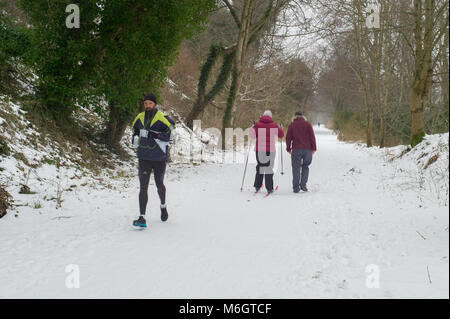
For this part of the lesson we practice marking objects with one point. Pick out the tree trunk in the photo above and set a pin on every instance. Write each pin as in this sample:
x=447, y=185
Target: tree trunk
x=226, y=120
x=115, y=129
x=238, y=66
x=362, y=77
x=423, y=67
x=369, y=127
x=197, y=109
x=418, y=101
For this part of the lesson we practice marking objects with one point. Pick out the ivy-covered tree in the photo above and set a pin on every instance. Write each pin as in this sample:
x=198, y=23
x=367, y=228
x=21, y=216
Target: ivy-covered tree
x=138, y=41
x=57, y=52
x=251, y=17
x=205, y=97
x=120, y=52
x=14, y=44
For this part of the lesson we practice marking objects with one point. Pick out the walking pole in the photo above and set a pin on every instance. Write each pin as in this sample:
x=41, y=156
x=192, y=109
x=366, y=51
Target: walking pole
x=246, y=164
x=282, y=163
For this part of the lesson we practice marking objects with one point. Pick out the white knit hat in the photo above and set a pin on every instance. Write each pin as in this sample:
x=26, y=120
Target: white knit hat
x=268, y=113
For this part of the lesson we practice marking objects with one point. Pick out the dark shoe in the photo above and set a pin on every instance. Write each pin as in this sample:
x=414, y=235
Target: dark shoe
x=304, y=189
x=296, y=191
x=140, y=222
x=164, y=214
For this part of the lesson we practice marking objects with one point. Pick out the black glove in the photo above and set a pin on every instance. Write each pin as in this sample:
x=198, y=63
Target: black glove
x=155, y=135
x=165, y=137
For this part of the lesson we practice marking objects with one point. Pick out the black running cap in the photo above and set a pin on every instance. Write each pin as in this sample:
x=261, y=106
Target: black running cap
x=150, y=97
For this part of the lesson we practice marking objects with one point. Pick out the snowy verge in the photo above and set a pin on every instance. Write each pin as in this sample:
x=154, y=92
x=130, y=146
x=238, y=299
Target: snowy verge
x=41, y=170
x=423, y=169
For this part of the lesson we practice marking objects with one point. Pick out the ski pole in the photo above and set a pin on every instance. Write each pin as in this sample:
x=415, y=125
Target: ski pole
x=281, y=152
x=246, y=162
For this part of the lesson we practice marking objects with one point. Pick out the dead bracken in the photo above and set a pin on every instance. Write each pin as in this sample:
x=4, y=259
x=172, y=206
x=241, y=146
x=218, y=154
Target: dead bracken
x=432, y=160
x=5, y=201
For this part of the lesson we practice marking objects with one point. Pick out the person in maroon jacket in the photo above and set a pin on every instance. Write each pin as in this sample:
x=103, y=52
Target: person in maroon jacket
x=266, y=132
x=301, y=144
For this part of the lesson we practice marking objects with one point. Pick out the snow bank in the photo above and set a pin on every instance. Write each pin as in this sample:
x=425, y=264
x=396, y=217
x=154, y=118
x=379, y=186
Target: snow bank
x=423, y=170
x=40, y=172
x=50, y=170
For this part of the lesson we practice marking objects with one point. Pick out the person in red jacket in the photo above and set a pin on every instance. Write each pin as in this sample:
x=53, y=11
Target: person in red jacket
x=301, y=144
x=266, y=132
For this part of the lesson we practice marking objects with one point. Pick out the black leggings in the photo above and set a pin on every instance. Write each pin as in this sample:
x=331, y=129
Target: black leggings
x=264, y=169
x=145, y=171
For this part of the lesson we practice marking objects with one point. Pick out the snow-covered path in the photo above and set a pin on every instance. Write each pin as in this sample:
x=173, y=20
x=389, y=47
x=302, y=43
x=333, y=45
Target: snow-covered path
x=221, y=243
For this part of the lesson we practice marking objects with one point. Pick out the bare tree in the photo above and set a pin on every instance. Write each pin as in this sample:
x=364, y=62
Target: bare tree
x=250, y=25
x=429, y=27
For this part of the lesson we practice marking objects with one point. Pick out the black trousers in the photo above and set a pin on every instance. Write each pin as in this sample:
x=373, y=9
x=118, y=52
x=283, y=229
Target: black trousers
x=145, y=170
x=264, y=169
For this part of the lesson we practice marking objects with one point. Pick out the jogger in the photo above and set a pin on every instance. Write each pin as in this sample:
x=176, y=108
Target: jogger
x=152, y=130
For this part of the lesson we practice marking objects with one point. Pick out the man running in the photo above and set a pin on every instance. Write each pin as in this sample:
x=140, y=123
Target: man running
x=301, y=144
x=266, y=132
x=152, y=130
